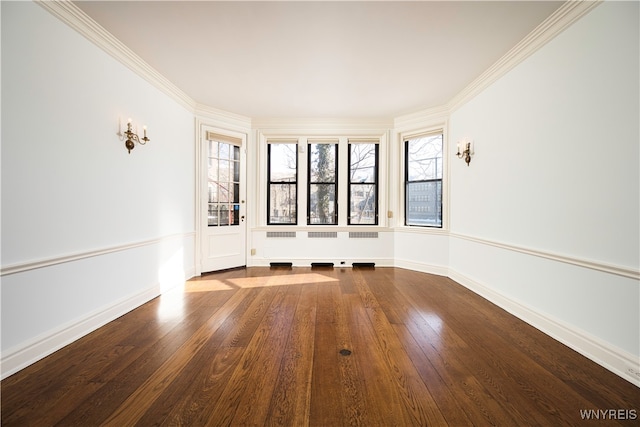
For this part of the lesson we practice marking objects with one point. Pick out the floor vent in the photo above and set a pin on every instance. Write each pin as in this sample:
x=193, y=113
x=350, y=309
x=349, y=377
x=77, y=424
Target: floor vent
x=281, y=264
x=321, y=265
x=322, y=234
x=277, y=234
x=363, y=265
x=363, y=234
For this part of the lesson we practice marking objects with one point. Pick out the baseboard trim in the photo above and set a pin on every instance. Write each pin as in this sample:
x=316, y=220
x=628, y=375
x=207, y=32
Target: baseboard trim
x=438, y=270
x=616, y=360
x=29, y=352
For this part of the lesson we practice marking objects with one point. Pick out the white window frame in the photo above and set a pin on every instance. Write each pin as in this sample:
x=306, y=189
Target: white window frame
x=302, y=139
x=400, y=202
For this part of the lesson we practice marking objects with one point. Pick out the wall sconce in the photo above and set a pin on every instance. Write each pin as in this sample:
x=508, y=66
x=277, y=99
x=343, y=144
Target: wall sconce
x=132, y=138
x=466, y=153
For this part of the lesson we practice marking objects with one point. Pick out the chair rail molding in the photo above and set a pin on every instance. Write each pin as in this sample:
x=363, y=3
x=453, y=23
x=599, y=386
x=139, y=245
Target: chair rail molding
x=47, y=262
x=627, y=272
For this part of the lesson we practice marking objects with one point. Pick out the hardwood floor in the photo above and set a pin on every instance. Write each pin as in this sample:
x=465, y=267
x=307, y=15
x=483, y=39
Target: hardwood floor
x=321, y=347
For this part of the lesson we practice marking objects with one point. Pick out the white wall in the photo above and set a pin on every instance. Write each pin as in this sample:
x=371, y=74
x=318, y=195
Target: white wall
x=547, y=215
x=426, y=251
x=88, y=230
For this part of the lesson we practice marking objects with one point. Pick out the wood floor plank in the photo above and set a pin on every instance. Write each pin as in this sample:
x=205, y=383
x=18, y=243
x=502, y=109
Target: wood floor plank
x=246, y=372
x=380, y=390
x=197, y=406
x=326, y=386
x=291, y=401
x=255, y=403
x=415, y=395
x=509, y=362
x=496, y=380
x=134, y=407
x=262, y=346
x=447, y=353
x=571, y=368
x=450, y=400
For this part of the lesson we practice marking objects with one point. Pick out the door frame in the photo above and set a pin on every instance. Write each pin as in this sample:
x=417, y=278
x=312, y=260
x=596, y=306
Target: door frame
x=202, y=127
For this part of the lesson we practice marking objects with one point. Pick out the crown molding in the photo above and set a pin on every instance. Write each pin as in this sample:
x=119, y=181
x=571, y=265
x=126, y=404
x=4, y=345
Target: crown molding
x=422, y=119
x=320, y=125
x=73, y=16
x=557, y=22
x=565, y=16
x=221, y=117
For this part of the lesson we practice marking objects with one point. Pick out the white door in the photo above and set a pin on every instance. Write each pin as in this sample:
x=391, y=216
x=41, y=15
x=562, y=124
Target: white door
x=223, y=224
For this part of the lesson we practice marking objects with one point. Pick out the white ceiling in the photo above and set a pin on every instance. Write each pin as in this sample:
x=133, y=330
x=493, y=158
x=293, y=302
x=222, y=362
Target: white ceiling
x=331, y=59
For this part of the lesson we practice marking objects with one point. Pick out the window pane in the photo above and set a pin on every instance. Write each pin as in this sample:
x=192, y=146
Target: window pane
x=236, y=193
x=424, y=158
x=223, y=192
x=322, y=204
x=282, y=204
x=363, y=163
x=224, y=215
x=213, y=215
x=236, y=171
x=363, y=204
x=224, y=150
x=424, y=203
x=213, y=149
x=323, y=162
x=235, y=215
x=224, y=171
x=224, y=184
x=363, y=180
x=283, y=161
x=213, y=192
x=213, y=169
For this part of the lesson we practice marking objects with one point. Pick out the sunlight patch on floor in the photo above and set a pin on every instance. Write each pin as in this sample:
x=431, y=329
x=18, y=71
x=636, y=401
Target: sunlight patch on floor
x=212, y=285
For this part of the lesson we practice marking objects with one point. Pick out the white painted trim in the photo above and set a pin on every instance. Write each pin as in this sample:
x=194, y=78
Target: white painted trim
x=610, y=357
x=438, y=270
x=222, y=119
x=593, y=265
x=215, y=123
x=425, y=119
x=74, y=17
x=41, y=346
x=570, y=12
x=561, y=19
x=312, y=127
x=27, y=266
